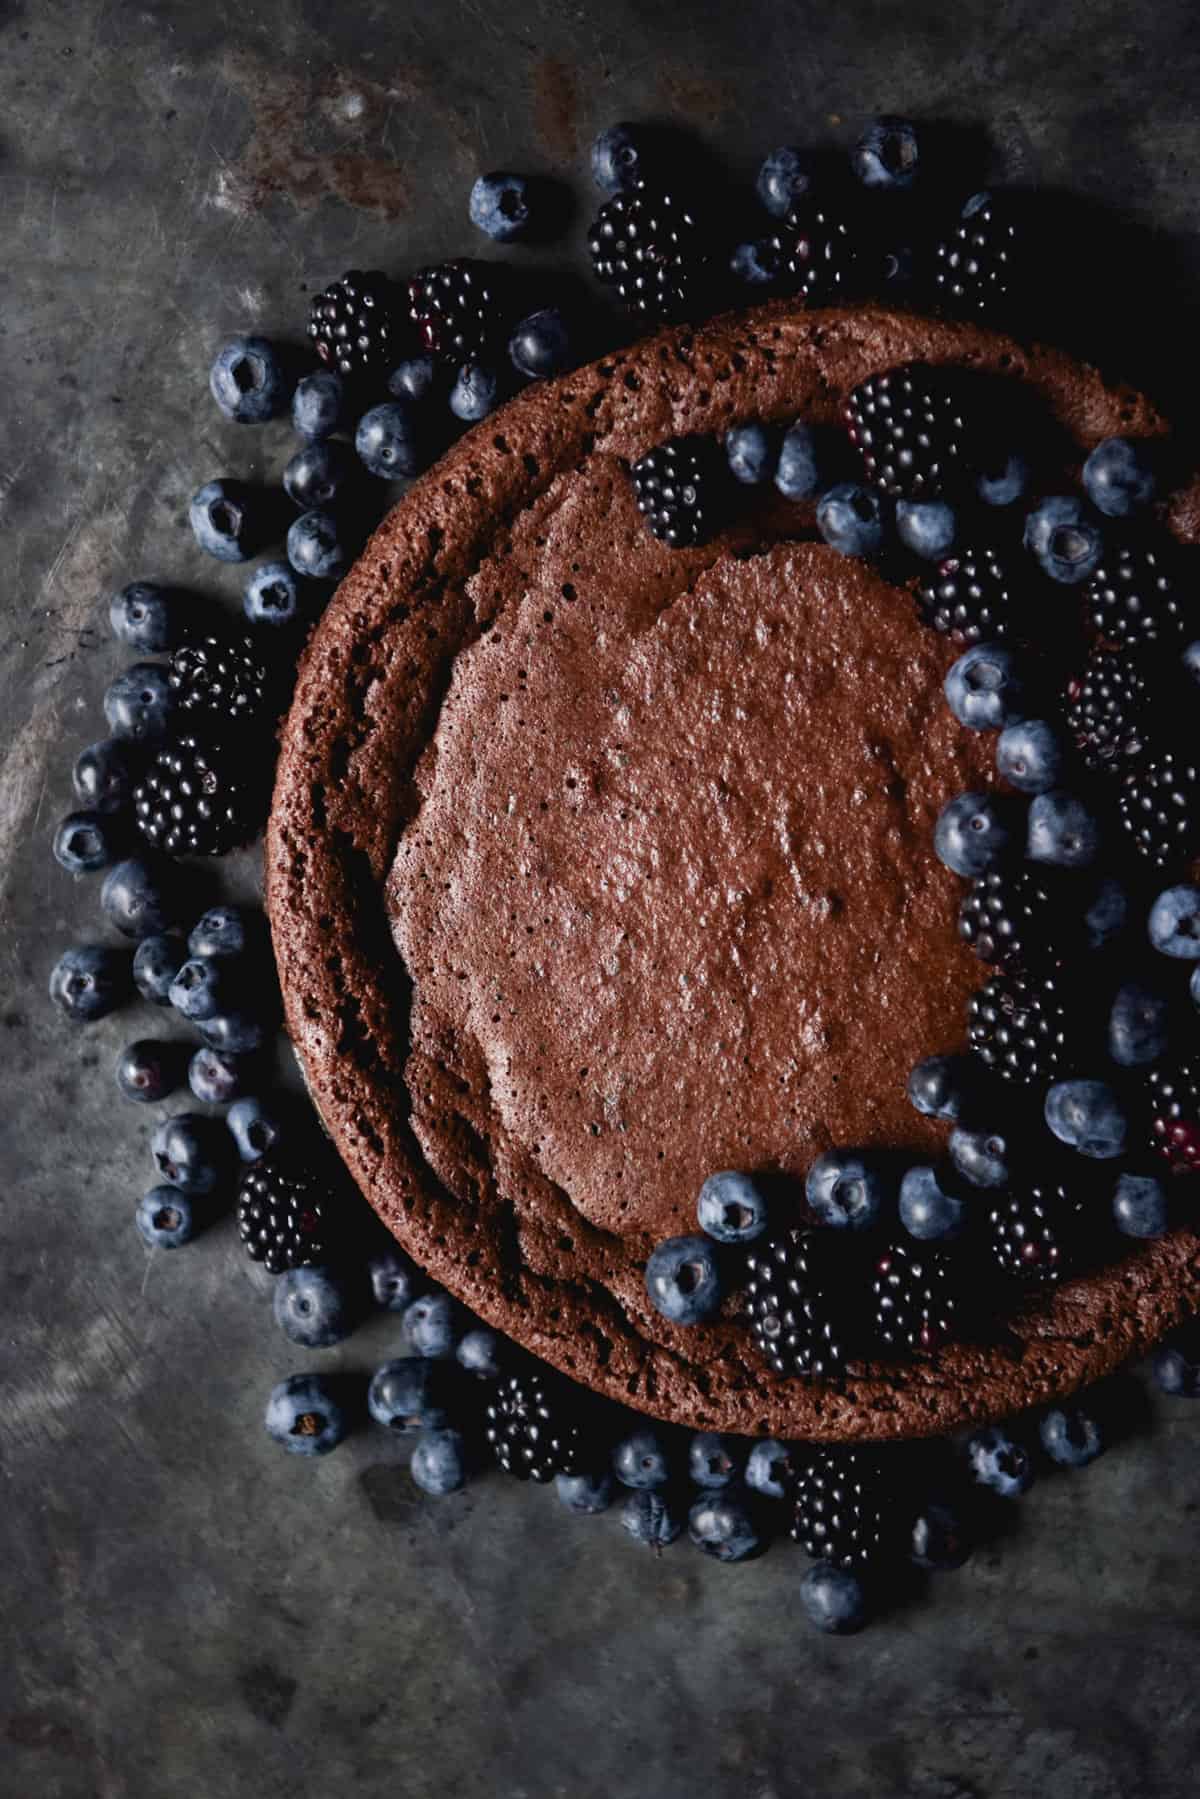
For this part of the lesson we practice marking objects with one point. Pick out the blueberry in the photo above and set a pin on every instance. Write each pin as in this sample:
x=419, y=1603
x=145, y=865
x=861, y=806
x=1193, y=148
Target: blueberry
x=998, y=1462
x=972, y=834
x=257, y=1127
x=222, y=931
x=312, y=1307
x=1005, y=481
x=501, y=206
x=475, y=392
x=1194, y=986
x=272, y=595
x=165, y=1218
x=850, y=519
x=1140, y=1207
x=479, y=1352
x=139, y=897
x=1190, y=658
x=1087, y=1116
x=833, y=1599
x=752, y=450
x=317, y=475
x=1030, y=755
x=105, y=774
x=139, y=702
x=409, y=1395
x=1118, y=478
x=926, y=527
x=84, y=843
x=683, y=1280
x=928, y=1211
x=846, y=1190
x=939, y=1539
x=148, y=1071
x=1138, y=1024
x=785, y=177
x=248, y=381
x=985, y=1158
x=90, y=980
x=147, y=617
x=216, y=1077
x=189, y=1151
x=415, y=379
x=731, y=1208
x=541, y=345
x=887, y=154
x=1070, y=1436
x=318, y=405
x=984, y=688
x=1174, y=923
x=303, y=1415
x=1177, y=1363
x=394, y=1279
x=1066, y=541
x=585, y=1493
x=1063, y=830
x=388, y=440
x=432, y=1326
x=237, y=1033
x=942, y=1086
x=797, y=475
x=1106, y=914
x=439, y=1462
x=755, y=263
x=315, y=547
x=620, y=157
x=641, y=1460
x=651, y=1518
x=225, y=520
x=721, y=1526
x=713, y=1460
x=156, y=962
x=200, y=989
x=771, y=1470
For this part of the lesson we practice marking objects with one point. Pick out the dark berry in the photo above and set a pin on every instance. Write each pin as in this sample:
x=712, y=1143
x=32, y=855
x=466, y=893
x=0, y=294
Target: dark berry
x=318, y=405
x=541, y=345
x=354, y=324
x=798, y=468
x=391, y=442
x=997, y=1461
x=1070, y=1436
x=797, y=1312
x=195, y=801
x=395, y=1279
x=85, y=842
x=273, y=596
x=140, y=898
x=480, y=1352
x=475, y=393
x=977, y=267
x=1031, y=1231
x=649, y=247
x=713, y=1460
x=985, y=689
x=909, y=427
x=1088, y=1116
x=771, y=1469
x=284, y=1213
x=1177, y=1362
x=887, y=154
x=149, y=618
x=970, y=597
x=416, y=379
x=721, y=1526
x=234, y=1033
x=1004, y=480
x=304, y=1415
x=1159, y=806
x=818, y=256
x=1107, y=707
x=784, y=179
x=221, y=931
x=220, y=682
x=1173, y=926
x=248, y=380
x=1065, y=539
x=90, y=980
x=915, y=1299
x=315, y=547
x=139, y=703
x=651, y=1518
x=227, y=519
x=752, y=451
x=621, y=156
x=439, y=1462
x=1134, y=600
x=148, y=1071
x=973, y=834
x=847, y=1189
x=586, y=1494
x=833, y=1599
x=677, y=487
x=1118, y=477
x=165, y=1218
x=105, y=774
x=533, y=1428
x=1173, y=1103
x=942, y=1086
x=454, y=309
x=984, y=1157
x=312, y=1307
x=190, y=1152
x=1011, y=915
x=216, y=1077
x=156, y=962
x=940, y=1540
x=318, y=474
x=502, y=206
x=1017, y=1025
x=928, y=528
x=432, y=1325
x=1062, y=830
x=732, y=1208
x=840, y=1509
x=851, y=519
x=930, y=1208
x=410, y=1394
x=641, y=1459
x=257, y=1126
x=1030, y=755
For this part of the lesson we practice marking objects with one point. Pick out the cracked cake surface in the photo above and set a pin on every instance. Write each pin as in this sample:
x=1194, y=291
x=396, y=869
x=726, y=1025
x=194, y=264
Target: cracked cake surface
x=595, y=866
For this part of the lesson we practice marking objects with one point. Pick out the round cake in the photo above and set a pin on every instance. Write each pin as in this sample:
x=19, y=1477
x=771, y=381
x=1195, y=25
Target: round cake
x=595, y=866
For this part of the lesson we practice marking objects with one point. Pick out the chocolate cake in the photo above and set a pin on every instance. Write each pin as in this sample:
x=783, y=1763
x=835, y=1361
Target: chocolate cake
x=595, y=866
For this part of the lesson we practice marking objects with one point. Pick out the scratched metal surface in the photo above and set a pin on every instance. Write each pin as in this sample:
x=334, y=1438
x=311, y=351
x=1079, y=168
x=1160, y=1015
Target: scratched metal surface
x=183, y=1611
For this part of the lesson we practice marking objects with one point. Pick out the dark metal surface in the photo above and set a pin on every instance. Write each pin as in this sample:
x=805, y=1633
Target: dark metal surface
x=184, y=1610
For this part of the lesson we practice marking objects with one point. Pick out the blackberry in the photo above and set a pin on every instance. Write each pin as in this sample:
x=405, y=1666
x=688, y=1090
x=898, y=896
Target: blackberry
x=284, y=1214
x=976, y=268
x=908, y=427
x=1017, y=1025
x=648, y=246
x=454, y=308
x=354, y=324
x=1009, y=917
x=1159, y=805
x=818, y=255
x=969, y=598
x=194, y=800
x=839, y=1513
x=677, y=485
x=531, y=1427
x=1173, y=1093
x=219, y=680
x=1132, y=598
x=794, y=1312
x=915, y=1299
x=1031, y=1233
x=1106, y=707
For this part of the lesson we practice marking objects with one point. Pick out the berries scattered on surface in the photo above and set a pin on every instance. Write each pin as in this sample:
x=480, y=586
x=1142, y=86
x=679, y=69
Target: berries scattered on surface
x=1106, y=711
x=390, y=443
x=833, y=1599
x=480, y=1352
x=226, y=520
x=977, y=266
x=156, y=962
x=839, y=1512
x=942, y=1086
x=1088, y=1116
x=1017, y=1025
x=649, y=248
x=439, y=1462
x=621, y=157
x=784, y=179
x=1173, y=1100
x=85, y=842
x=475, y=393
x=165, y=1218
x=1062, y=830
x=304, y=1416
x=139, y=702
x=234, y=1033
x=139, y=897
x=194, y=801
x=432, y=1326
x=721, y=1526
x=847, y=1189
x=219, y=681
x=248, y=381
x=850, y=518
x=409, y=1394
x=354, y=324
x=149, y=618
x=985, y=689
x=799, y=1319
x=909, y=427
x=997, y=1461
x=641, y=1459
x=731, y=1208
x=284, y=1214
x=887, y=155
x=272, y=596
x=394, y=1278
x=652, y=1518
x=973, y=834
x=90, y=980
x=148, y=1071
x=1070, y=1436
x=216, y=1077
x=1133, y=598
x=984, y=1157
x=676, y=486
x=189, y=1152
x=1118, y=477
x=314, y=543
x=1159, y=806
x=221, y=931
x=501, y=205
x=1028, y=1230
x=318, y=405
x=771, y=1469
x=454, y=309
x=532, y=1427
x=930, y=1208
x=713, y=1460
x=1067, y=543
x=683, y=1279
x=541, y=345
x=915, y=1299
x=970, y=597
x=1030, y=755
x=818, y=255
x=312, y=1307
x=317, y=474
x=105, y=774
x=1010, y=915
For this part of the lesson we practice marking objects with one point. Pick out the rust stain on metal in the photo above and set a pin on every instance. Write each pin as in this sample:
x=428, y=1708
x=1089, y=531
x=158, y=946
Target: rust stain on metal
x=555, y=104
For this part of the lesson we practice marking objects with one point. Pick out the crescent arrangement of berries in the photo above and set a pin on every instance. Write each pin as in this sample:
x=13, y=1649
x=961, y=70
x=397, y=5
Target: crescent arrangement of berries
x=1075, y=1098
